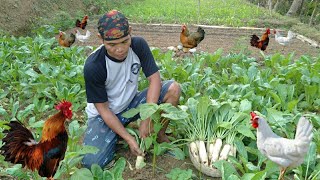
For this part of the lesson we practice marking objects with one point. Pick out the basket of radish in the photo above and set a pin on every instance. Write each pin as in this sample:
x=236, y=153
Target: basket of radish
x=211, y=131
x=203, y=157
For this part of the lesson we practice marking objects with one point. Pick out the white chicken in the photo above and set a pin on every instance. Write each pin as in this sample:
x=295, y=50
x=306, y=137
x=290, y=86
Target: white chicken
x=284, y=41
x=83, y=38
x=287, y=153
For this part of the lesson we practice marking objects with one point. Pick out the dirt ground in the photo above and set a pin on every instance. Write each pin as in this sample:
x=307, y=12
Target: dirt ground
x=231, y=40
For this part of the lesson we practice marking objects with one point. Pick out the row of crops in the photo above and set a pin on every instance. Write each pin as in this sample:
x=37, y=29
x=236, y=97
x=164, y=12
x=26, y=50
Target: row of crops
x=218, y=92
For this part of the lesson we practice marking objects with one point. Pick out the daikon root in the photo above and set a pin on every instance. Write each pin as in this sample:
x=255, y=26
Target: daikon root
x=140, y=162
x=203, y=153
x=194, y=151
x=210, y=148
x=232, y=151
x=216, y=150
x=224, y=152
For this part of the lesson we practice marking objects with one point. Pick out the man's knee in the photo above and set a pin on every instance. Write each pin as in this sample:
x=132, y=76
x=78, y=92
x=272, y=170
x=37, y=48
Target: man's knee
x=174, y=89
x=173, y=93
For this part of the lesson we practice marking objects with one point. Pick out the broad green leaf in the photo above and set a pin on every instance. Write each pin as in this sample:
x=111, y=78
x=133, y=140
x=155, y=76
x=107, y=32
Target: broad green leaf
x=15, y=108
x=233, y=177
x=44, y=68
x=73, y=161
x=251, y=166
x=259, y=176
x=28, y=110
x=74, y=127
x=118, y=168
x=237, y=164
x=225, y=168
x=292, y=104
x=84, y=150
x=241, y=148
x=17, y=171
x=107, y=175
x=246, y=131
x=176, y=115
x=156, y=148
x=179, y=174
x=3, y=93
x=32, y=73
x=309, y=158
x=271, y=168
x=275, y=96
x=157, y=127
x=82, y=173
x=148, y=142
x=147, y=110
x=178, y=154
x=316, y=172
x=275, y=116
x=130, y=113
x=36, y=124
x=252, y=72
x=245, y=106
x=96, y=171
x=247, y=176
x=226, y=125
x=2, y=111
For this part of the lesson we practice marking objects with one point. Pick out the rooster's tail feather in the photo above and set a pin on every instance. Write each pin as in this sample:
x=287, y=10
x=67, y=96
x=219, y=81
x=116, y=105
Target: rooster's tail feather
x=254, y=40
x=19, y=146
x=78, y=23
x=304, y=130
x=290, y=35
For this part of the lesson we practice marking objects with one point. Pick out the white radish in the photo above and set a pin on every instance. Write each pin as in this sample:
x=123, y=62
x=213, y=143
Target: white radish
x=234, y=151
x=216, y=150
x=231, y=151
x=224, y=152
x=140, y=162
x=210, y=150
x=203, y=154
x=194, y=151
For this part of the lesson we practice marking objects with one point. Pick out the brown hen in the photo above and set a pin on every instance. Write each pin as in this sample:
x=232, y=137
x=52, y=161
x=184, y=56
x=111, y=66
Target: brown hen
x=66, y=40
x=191, y=40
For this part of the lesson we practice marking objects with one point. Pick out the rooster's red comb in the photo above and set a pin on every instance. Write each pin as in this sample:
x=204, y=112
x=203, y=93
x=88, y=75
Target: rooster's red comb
x=63, y=105
x=253, y=115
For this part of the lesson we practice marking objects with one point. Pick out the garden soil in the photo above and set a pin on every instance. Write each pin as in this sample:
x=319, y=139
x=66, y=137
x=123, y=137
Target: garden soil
x=231, y=40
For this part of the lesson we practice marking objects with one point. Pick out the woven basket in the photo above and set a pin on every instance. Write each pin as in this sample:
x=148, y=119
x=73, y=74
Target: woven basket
x=209, y=171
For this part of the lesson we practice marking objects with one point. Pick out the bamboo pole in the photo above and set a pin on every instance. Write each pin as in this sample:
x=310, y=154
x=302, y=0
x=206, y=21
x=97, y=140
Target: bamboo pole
x=313, y=12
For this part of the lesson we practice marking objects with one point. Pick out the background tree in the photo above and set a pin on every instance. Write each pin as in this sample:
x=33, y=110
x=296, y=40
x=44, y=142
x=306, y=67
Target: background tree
x=295, y=7
x=313, y=12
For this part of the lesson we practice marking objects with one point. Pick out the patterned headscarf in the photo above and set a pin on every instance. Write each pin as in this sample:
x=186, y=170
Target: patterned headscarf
x=113, y=25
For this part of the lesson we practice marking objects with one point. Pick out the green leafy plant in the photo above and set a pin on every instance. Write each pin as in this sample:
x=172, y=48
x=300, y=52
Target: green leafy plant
x=96, y=173
x=156, y=113
x=180, y=174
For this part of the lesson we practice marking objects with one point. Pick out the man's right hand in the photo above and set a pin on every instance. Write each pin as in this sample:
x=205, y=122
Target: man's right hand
x=134, y=147
x=146, y=128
